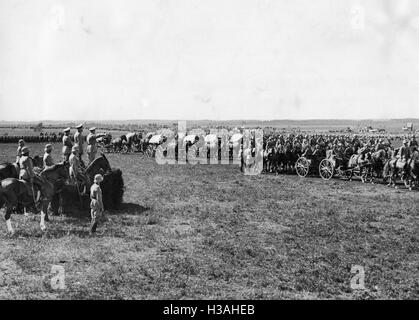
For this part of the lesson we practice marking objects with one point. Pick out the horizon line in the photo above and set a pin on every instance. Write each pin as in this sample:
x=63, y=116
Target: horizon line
x=211, y=120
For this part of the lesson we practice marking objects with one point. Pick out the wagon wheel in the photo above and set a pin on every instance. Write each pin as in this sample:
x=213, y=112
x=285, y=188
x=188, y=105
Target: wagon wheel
x=326, y=169
x=302, y=167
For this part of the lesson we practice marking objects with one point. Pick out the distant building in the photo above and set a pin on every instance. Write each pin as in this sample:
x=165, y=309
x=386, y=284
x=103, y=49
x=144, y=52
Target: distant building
x=408, y=127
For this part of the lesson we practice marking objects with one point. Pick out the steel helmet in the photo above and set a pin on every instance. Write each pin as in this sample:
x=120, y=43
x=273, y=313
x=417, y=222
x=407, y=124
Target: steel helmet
x=98, y=178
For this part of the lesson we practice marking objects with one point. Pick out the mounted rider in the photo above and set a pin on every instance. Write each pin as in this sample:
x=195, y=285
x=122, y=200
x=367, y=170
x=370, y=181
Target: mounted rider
x=413, y=143
x=92, y=143
x=21, y=144
x=404, y=153
x=67, y=144
x=26, y=166
x=47, y=158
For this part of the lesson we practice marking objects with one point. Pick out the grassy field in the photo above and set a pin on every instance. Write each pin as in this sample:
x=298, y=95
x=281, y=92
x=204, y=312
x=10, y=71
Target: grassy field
x=210, y=232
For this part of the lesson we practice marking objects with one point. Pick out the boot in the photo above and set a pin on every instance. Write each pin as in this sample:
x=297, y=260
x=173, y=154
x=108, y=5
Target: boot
x=93, y=227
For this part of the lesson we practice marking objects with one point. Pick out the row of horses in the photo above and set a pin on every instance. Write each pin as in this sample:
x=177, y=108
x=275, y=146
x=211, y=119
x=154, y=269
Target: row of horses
x=47, y=183
x=368, y=165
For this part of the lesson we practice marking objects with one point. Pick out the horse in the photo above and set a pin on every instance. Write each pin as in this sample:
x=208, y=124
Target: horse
x=413, y=174
x=118, y=143
x=8, y=170
x=375, y=165
x=412, y=177
x=105, y=141
x=14, y=192
x=99, y=165
x=360, y=161
x=11, y=170
x=249, y=158
x=398, y=169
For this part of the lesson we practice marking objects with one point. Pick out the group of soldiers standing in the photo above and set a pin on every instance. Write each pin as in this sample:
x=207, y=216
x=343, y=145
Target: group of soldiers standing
x=72, y=153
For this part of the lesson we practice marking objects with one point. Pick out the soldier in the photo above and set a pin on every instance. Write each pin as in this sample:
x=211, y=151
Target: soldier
x=96, y=204
x=74, y=161
x=79, y=140
x=26, y=166
x=21, y=145
x=47, y=158
x=404, y=153
x=67, y=144
x=91, y=144
x=413, y=144
x=26, y=171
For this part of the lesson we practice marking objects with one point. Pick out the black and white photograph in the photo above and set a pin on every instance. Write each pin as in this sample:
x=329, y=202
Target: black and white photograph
x=223, y=150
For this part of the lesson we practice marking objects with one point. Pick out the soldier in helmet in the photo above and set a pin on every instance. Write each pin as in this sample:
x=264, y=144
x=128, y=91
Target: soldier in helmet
x=74, y=162
x=67, y=144
x=91, y=144
x=26, y=166
x=404, y=151
x=21, y=144
x=96, y=204
x=47, y=158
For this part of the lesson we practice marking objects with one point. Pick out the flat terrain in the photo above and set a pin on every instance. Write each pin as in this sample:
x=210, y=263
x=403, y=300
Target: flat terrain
x=210, y=232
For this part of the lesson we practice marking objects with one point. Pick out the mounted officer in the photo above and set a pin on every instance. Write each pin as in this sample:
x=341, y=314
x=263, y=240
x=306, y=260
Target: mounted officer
x=92, y=144
x=47, y=158
x=21, y=145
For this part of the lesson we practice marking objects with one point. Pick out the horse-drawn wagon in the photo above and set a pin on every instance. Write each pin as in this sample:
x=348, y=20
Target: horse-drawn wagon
x=347, y=166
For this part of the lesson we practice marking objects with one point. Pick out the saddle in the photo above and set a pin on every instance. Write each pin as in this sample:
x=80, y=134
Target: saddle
x=400, y=164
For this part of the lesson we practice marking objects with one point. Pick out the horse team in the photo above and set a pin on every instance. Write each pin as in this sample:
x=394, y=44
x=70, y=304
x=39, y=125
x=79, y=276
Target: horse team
x=373, y=157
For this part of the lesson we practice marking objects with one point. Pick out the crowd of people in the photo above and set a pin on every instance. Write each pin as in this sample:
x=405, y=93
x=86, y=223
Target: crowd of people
x=283, y=150
x=47, y=137
x=72, y=152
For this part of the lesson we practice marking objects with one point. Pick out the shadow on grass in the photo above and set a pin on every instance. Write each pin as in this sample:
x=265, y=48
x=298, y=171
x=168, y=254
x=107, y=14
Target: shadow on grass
x=129, y=208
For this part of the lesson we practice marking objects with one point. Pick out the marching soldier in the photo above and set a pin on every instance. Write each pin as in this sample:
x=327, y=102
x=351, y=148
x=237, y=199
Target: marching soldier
x=91, y=144
x=47, y=158
x=96, y=204
x=21, y=145
x=79, y=140
x=67, y=144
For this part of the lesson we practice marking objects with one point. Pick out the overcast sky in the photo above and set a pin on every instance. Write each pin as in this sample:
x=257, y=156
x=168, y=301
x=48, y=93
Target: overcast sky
x=217, y=59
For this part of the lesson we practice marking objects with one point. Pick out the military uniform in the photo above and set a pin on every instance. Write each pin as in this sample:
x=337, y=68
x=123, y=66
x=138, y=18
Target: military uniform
x=19, y=153
x=47, y=158
x=92, y=144
x=79, y=141
x=74, y=169
x=96, y=204
x=26, y=168
x=67, y=145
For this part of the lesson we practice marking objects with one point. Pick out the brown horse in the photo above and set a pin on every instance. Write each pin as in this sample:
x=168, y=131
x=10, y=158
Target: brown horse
x=413, y=170
x=11, y=170
x=99, y=165
x=14, y=192
x=375, y=165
